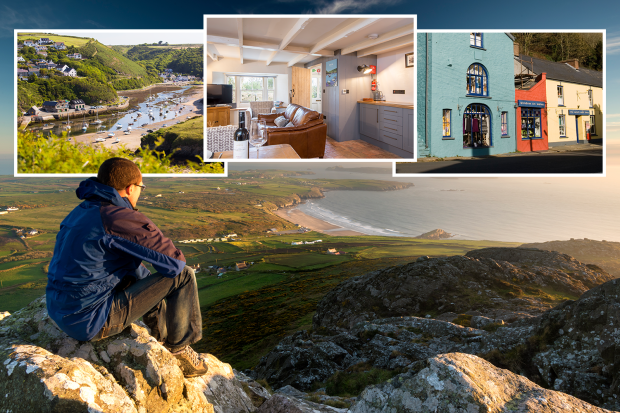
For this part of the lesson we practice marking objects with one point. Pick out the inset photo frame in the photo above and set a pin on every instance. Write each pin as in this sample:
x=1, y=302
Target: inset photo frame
x=409, y=59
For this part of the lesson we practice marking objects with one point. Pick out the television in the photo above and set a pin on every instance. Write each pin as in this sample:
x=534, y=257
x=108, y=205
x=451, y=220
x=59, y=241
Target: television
x=219, y=94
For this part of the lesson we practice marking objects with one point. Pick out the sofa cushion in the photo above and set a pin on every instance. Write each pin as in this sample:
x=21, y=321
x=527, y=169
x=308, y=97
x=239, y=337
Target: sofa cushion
x=290, y=111
x=280, y=121
x=304, y=115
x=290, y=125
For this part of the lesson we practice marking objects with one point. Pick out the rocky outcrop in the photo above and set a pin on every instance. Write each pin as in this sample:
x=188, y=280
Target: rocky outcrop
x=435, y=234
x=129, y=372
x=573, y=348
x=465, y=383
x=482, y=283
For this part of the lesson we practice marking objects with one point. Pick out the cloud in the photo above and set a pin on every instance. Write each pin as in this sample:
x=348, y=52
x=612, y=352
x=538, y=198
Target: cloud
x=612, y=115
x=351, y=6
x=613, y=44
x=41, y=16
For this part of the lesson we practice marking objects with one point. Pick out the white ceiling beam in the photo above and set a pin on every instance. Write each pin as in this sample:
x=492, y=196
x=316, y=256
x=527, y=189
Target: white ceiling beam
x=350, y=28
x=212, y=52
x=296, y=59
x=299, y=25
x=387, y=46
x=394, y=34
x=271, y=57
x=240, y=36
x=228, y=41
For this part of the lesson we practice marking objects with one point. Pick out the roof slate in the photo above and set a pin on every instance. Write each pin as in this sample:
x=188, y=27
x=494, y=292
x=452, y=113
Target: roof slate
x=563, y=71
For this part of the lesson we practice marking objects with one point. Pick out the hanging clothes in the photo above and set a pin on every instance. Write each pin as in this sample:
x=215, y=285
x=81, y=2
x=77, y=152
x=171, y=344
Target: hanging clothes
x=476, y=125
x=483, y=126
x=466, y=124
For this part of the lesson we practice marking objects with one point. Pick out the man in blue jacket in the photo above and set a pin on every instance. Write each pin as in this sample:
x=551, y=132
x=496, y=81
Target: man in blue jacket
x=97, y=285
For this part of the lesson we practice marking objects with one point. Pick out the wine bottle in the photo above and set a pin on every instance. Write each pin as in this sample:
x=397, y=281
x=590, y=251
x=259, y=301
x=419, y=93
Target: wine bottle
x=241, y=148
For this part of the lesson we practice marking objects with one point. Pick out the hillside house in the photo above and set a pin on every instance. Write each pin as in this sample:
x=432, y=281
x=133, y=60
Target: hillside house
x=45, y=40
x=69, y=72
x=29, y=43
x=77, y=104
x=60, y=46
x=53, y=106
x=76, y=56
x=241, y=266
x=22, y=72
x=40, y=49
x=158, y=196
x=333, y=251
x=33, y=111
x=20, y=59
x=33, y=232
x=34, y=71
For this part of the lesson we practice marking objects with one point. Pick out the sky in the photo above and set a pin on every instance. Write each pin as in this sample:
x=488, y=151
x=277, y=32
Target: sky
x=448, y=14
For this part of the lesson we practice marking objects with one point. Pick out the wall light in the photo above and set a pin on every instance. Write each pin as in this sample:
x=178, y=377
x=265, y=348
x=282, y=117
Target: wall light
x=365, y=69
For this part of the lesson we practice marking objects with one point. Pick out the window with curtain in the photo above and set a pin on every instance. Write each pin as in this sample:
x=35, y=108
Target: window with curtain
x=447, y=114
x=475, y=39
x=477, y=80
x=504, y=123
x=561, y=95
x=562, y=123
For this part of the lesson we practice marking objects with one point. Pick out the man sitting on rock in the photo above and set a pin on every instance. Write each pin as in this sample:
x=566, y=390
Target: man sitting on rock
x=97, y=285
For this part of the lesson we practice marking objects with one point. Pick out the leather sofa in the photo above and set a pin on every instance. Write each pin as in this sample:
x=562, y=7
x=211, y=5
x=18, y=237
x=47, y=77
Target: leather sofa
x=307, y=135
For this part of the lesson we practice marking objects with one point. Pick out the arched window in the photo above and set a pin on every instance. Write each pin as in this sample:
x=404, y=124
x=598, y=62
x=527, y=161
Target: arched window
x=477, y=126
x=477, y=80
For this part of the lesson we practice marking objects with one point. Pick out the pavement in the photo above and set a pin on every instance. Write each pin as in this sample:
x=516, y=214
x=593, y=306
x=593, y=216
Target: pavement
x=583, y=159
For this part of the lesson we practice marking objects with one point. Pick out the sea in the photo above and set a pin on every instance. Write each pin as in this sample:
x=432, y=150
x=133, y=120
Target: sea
x=534, y=209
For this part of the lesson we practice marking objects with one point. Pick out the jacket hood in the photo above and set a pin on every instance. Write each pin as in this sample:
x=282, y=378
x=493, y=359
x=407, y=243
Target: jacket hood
x=93, y=190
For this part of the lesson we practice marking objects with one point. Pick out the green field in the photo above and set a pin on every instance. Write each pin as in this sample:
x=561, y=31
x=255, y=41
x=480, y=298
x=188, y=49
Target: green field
x=67, y=40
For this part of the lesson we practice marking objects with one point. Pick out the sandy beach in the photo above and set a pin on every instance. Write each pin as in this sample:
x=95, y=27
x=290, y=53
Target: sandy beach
x=132, y=140
x=297, y=217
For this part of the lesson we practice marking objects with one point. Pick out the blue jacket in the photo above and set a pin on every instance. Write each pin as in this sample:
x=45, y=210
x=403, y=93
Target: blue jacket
x=101, y=241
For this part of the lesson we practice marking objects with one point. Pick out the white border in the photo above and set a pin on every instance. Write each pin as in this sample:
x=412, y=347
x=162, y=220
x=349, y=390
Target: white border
x=339, y=16
x=523, y=175
x=50, y=175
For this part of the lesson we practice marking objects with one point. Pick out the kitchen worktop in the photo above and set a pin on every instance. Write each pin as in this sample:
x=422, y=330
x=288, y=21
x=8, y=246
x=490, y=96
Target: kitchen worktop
x=387, y=103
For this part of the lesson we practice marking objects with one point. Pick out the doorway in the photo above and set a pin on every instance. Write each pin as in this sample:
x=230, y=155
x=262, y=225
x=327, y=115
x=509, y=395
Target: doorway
x=316, y=101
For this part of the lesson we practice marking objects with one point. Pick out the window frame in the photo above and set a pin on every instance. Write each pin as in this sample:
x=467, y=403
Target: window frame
x=562, y=124
x=593, y=125
x=591, y=98
x=504, y=124
x=476, y=38
x=472, y=79
x=479, y=109
x=533, y=113
x=265, y=89
x=560, y=95
x=448, y=123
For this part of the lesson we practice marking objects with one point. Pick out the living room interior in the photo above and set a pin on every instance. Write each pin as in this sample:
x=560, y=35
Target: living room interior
x=329, y=87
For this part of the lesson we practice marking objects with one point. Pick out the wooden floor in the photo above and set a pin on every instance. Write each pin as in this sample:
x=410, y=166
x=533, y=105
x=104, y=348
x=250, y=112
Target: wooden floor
x=355, y=149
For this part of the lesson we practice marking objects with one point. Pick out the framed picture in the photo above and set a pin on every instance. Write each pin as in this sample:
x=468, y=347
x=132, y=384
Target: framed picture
x=409, y=60
x=331, y=73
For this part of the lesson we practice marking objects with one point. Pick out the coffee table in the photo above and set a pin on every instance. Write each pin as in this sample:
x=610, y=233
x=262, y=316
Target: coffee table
x=284, y=151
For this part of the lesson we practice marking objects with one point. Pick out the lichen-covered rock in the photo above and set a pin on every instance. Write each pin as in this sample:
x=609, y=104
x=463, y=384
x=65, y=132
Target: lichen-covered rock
x=282, y=403
x=498, y=283
x=129, y=372
x=464, y=383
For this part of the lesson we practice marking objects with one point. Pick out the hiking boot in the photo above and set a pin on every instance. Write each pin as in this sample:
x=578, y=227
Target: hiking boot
x=190, y=362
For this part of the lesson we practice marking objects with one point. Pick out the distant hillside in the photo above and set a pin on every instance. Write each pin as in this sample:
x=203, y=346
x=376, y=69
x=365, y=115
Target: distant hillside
x=556, y=47
x=113, y=59
x=605, y=254
x=67, y=40
x=159, y=58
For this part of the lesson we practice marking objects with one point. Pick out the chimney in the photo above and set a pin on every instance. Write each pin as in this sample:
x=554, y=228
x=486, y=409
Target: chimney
x=515, y=46
x=573, y=62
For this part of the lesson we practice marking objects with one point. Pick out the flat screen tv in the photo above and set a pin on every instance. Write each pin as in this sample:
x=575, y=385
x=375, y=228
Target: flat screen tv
x=219, y=94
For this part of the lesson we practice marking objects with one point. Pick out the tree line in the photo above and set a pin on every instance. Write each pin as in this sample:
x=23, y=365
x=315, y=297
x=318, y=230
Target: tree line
x=557, y=47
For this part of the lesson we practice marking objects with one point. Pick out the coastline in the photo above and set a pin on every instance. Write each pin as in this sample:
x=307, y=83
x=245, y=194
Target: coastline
x=133, y=139
x=294, y=215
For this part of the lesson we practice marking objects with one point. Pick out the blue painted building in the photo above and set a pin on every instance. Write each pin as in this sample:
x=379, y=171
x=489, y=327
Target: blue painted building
x=466, y=94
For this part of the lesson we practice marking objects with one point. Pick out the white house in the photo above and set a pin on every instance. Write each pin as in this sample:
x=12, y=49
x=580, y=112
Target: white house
x=29, y=43
x=76, y=56
x=20, y=59
x=45, y=40
x=60, y=46
x=69, y=72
